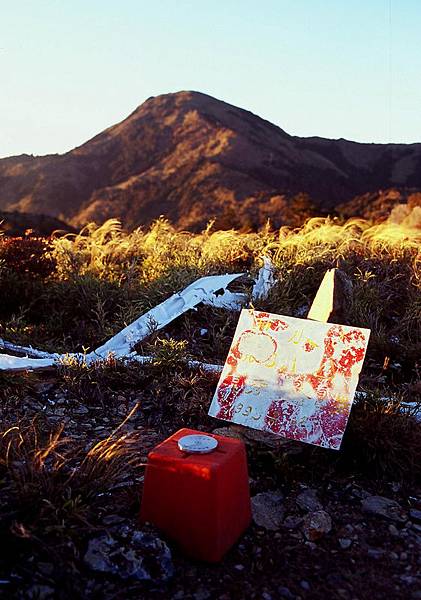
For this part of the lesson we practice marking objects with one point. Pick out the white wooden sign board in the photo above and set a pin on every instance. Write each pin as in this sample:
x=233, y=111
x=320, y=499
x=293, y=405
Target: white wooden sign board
x=293, y=377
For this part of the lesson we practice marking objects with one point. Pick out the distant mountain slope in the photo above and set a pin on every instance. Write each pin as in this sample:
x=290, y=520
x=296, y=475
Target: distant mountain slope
x=191, y=157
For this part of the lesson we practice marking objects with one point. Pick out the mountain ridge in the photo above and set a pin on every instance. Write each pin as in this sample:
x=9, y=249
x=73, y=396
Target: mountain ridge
x=191, y=158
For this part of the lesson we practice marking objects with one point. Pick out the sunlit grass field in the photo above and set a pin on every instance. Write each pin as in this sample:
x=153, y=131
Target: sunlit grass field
x=72, y=292
x=73, y=439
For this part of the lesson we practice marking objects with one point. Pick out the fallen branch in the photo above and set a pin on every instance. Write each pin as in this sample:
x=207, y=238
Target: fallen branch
x=210, y=290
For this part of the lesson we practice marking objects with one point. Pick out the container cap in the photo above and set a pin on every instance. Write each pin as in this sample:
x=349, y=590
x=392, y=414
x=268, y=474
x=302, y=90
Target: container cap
x=197, y=444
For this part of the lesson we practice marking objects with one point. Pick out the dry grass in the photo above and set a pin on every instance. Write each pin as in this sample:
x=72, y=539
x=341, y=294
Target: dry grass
x=383, y=440
x=53, y=485
x=104, y=277
x=57, y=485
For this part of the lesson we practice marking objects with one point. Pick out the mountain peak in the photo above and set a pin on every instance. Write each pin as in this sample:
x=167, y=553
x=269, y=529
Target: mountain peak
x=192, y=158
x=189, y=101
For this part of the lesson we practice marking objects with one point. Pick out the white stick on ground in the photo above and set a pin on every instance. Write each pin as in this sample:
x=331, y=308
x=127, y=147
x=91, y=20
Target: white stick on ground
x=27, y=350
x=156, y=318
x=19, y=363
x=205, y=289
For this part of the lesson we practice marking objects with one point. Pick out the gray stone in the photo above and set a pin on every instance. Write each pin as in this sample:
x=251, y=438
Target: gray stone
x=292, y=522
x=345, y=543
x=316, y=525
x=228, y=432
x=40, y=592
x=375, y=552
x=408, y=579
x=46, y=569
x=384, y=507
x=255, y=436
x=415, y=515
x=360, y=493
x=267, y=510
x=308, y=500
x=285, y=592
x=140, y=556
x=113, y=520
x=202, y=594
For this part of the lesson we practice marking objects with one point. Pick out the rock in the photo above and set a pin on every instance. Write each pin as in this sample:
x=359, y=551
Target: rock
x=392, y=530
x=113, y=520
x=415, y=515
x=254, y=436
x=308, y=500
x=46, y=569
x=292, y=522
x=228, y=432
x=305, y=585
x=311, y=545
x=316, y=525
x=267, y=510
x=43, y=388
x=359, y=492
x=285, y=592
x=40, y=592
x=202, y=594
x=384, y=507
x=140, y=556
x=408, y=579
x=375, y=552
x=345, y=543
x=335, y=579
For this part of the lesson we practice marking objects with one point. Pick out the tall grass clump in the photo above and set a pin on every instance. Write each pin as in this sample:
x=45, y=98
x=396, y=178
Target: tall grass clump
x=108, y=252
x=104, y=277
x=51, y=482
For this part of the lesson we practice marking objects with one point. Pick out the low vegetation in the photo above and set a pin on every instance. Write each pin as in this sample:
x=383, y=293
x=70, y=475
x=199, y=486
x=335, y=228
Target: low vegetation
x=73, y=292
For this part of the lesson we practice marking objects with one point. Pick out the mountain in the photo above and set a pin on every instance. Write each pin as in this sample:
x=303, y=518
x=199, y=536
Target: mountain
x=191, y=157
x=379, y=204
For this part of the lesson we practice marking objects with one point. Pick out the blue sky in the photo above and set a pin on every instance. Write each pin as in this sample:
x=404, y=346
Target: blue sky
x=334, y=68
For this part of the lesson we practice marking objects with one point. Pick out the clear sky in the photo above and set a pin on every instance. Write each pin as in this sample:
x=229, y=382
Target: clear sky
x=334, y=68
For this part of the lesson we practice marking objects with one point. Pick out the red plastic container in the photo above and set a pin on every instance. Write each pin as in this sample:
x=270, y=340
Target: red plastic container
x=201, y=501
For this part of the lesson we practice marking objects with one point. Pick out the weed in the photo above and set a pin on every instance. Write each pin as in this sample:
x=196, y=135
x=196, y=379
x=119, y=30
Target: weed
x=383, y=439
x=93, y=383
